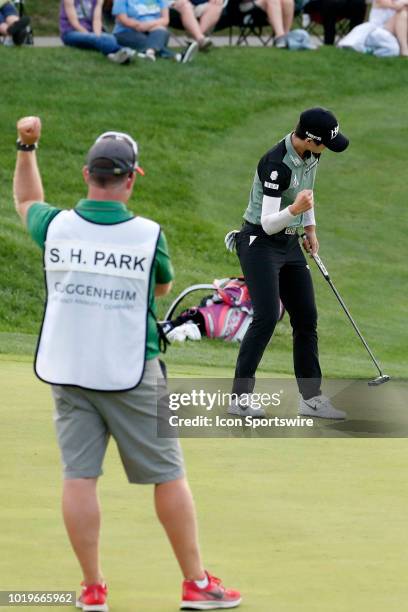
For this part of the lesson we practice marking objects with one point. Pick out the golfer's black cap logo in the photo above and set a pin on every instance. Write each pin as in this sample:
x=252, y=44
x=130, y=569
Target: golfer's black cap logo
x=322, y=126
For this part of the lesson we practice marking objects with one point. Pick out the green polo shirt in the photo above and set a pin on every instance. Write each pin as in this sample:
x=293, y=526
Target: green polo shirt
x=40, y=216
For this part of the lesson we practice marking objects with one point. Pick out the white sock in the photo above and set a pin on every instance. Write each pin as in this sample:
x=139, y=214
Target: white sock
x=202, y=584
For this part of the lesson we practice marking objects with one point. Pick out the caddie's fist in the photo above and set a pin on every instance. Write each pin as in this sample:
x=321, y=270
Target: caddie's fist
x=29, y=130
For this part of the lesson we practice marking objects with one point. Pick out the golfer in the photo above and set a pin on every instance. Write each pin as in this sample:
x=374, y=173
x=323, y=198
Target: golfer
x=98, y=348
x=280, y=201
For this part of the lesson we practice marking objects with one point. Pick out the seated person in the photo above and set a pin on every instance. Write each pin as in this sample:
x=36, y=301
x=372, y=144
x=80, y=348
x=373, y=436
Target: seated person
x=11, y=24
x=279, y=14
x=393, y=16
x=332, y=10
x=142, y=25
x=81, y=26
x=198, y=18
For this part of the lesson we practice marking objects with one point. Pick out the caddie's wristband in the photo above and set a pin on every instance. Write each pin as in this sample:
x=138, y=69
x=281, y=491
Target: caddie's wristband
x=26, y=147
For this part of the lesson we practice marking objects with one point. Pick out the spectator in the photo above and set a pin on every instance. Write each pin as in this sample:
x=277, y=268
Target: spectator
x=333, y=10
x=279, y=14
x=142, y=25
x=393, y=16
x=199, y=18
x=11, y=24
x=81, y=26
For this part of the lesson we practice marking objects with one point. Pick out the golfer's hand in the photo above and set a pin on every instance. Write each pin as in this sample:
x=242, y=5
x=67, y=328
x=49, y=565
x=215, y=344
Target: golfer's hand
x=310, y=242
x=29, y=130
x=302, y=203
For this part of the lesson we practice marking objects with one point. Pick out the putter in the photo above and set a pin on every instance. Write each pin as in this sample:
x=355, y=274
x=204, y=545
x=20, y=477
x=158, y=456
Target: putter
x=382, y=378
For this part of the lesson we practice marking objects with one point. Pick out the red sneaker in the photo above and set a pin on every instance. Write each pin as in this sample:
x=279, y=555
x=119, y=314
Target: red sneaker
x=93, y=598
x=214, y=596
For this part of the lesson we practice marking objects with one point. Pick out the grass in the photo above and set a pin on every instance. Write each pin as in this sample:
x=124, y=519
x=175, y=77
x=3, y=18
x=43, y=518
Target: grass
x=201, y=129
x=44, y=16
x=298, y=525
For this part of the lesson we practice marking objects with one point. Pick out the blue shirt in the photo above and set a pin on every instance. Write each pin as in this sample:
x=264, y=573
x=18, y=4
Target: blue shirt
x=142, y=10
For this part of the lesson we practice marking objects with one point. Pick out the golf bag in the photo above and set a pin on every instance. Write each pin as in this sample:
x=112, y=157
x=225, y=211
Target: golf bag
x=226, y=313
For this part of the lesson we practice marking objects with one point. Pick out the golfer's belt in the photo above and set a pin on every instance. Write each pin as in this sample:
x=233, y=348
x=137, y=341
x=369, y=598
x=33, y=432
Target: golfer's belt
x=291, y=231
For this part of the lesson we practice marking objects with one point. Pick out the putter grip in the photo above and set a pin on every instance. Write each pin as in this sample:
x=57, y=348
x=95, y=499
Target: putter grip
x=318, y=261
x=321, y=266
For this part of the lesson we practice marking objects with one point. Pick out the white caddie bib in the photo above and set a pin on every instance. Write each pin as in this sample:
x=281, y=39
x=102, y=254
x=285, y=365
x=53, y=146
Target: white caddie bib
x=95, y=322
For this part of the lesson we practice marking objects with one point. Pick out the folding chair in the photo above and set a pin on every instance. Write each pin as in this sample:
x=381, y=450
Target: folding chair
x=20, y=5
x=250, y=21
x=29, y=36
x=176, y=24
x=315, y=25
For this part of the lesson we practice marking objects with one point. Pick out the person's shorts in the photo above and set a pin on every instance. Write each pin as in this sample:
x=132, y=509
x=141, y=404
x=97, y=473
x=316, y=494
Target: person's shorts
x=199, y=7
x=7, y=10
x=85, y=420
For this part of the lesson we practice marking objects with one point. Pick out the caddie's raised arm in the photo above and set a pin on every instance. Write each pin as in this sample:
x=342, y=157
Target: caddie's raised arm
x=27, y=185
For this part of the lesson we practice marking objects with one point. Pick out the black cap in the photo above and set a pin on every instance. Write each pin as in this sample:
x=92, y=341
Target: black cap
x=113, y=153
x=321, y=125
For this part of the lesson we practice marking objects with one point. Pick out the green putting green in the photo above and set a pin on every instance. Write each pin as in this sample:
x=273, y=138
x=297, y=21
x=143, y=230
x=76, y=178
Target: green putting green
x=298, y=525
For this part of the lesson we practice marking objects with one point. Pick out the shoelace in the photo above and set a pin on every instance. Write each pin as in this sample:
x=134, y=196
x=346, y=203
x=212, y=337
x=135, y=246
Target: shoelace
x=93, y=589
x=216, y=580
x=321, y=401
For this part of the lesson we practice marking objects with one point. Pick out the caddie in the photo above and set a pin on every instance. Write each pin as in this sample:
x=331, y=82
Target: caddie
x=98, y=349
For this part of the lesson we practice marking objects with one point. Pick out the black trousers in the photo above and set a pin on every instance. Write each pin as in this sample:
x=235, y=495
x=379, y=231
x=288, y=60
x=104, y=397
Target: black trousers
x=274, y=266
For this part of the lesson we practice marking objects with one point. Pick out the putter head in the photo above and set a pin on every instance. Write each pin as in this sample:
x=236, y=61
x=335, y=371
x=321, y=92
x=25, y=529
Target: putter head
x=379, y=380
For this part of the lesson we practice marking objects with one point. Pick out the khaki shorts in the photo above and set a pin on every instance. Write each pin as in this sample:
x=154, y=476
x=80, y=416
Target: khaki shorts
x=85, y=420
x=199, y=9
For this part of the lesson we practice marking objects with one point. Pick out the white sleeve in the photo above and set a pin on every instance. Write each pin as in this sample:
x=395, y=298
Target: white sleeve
x=274, y=220
x=309, y=218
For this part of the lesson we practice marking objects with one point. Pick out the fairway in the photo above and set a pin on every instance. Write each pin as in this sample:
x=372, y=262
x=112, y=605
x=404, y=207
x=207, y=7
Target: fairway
x=298, y=525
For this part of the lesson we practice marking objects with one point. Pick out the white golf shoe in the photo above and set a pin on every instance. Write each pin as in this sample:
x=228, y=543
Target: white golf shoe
x=320, y=406
x=245, y=406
